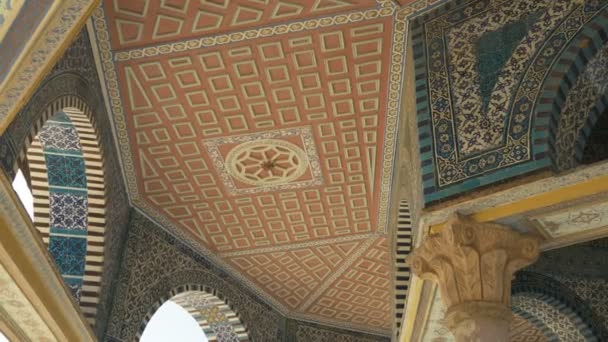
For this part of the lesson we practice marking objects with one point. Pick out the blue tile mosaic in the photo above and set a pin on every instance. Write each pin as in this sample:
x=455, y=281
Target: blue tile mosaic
x=69, y=254
x=75, y=286
x=68, y=211
x=60, y=137
x=482, y=70
x=66, y=171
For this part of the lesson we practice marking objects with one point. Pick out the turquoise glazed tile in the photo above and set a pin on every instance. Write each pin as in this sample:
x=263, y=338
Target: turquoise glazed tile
x=69, y=254
x=66, y=171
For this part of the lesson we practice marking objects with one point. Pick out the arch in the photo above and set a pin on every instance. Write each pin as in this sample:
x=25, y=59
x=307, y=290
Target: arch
x=535, y=322
x=552, y=318
x=70, y=217
x=585, y=102
x=555, y=308
x=216, y=318
x=550, y=133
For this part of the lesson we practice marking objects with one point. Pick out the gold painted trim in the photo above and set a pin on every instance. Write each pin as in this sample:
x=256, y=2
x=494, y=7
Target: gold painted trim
x=50, y=63
x=9, y=331
x=29, y=264
x=411, y=310
x=567, y=193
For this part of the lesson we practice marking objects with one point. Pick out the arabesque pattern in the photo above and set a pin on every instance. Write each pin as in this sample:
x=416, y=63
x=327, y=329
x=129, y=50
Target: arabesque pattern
x=486, y=63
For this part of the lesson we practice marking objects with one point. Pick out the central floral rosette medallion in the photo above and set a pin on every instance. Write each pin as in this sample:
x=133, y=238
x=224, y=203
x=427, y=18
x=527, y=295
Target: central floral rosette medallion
x=266, y=161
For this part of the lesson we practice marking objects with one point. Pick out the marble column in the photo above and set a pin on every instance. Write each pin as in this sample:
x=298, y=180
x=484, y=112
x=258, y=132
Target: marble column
x=473, y=264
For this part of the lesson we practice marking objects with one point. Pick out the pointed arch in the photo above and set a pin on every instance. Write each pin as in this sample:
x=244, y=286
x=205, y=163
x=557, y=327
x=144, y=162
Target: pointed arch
x=217, y=319
x=70, y=217
x=557, y=131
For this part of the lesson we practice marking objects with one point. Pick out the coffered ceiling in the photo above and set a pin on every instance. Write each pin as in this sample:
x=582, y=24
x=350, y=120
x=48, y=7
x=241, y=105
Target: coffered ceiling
x=262, y=133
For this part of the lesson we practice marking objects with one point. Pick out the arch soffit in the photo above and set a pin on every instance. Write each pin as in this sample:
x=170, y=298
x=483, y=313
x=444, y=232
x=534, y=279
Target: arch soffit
x=208, y=307
x=67, y=88
x=544, y=290
x=60, y=92
x=561, y=79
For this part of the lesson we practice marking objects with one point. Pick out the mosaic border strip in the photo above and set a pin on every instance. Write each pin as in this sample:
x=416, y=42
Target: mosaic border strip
x=273, y=30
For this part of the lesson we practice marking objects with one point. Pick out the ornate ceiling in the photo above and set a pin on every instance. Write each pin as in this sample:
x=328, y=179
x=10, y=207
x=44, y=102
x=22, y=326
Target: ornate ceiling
x=262, y=133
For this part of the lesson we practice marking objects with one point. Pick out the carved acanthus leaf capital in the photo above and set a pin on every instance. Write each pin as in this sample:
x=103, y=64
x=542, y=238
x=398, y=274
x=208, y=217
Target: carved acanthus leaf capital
x=473, y=261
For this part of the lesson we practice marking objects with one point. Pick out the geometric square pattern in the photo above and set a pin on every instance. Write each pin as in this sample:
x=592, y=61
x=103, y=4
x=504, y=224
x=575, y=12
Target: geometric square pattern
x=263, y=133
x=293, y=275
x=149, y=21
x=361, y=295
x=330, y=80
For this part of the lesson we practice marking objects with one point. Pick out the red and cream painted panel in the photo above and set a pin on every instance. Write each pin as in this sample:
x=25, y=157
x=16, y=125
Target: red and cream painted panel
x=330, y=82
x=145, y=22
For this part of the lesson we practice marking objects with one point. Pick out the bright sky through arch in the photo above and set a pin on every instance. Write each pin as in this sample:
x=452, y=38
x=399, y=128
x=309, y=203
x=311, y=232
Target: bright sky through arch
x=171, y=322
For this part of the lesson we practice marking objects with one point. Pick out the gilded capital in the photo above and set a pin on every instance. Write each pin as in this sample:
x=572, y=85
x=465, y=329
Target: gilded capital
x=472, y=261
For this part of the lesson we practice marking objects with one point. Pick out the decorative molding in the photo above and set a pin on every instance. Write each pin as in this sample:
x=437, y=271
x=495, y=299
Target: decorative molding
x=473, y=261
x=61, y=25
x=585, y=181
x=473, y=264
x=26, y=261
x=18, y=311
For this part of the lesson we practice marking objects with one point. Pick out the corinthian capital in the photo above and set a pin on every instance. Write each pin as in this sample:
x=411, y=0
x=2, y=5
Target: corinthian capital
x=472, y=261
